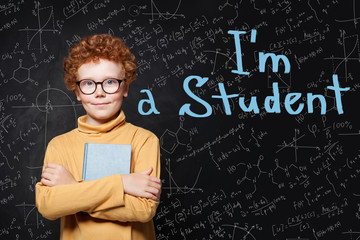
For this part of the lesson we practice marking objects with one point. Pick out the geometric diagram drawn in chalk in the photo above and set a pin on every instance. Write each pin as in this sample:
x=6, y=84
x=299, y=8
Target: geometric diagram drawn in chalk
x=22, y=74
x=6, y=159
x=351, y=52
x=241, y=232
x=226, y=63
x=48, y=100
x=46, y=23
x=162, y=15
x=180, y=190
x=294, y=145
x=298, y=238
x=333, y=98
x=316, y=10
x=31, y=215
x=169, y=140
x=134, y=10
x=353, y=235
x=355, y=19
x=283, y=79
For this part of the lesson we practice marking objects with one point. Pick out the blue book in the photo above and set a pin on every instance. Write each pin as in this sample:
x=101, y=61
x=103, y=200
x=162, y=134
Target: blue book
x=102, y=160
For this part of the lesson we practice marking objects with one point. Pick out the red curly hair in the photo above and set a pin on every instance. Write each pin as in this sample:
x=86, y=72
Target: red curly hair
x=92, y=49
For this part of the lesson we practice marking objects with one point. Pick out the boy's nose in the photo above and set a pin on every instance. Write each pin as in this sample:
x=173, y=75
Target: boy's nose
x=99, y=91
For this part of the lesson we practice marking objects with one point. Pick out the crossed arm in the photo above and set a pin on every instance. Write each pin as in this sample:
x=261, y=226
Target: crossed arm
x=135, y=184
x=130, y=197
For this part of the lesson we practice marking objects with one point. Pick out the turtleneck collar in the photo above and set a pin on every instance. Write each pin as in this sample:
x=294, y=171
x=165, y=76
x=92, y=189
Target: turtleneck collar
x=103, y=128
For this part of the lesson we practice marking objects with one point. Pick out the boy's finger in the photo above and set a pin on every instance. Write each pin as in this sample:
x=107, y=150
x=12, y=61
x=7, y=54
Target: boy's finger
x=46, y=182
x=53, y=165
x=154, y=191
x=46, y=175
x=147, y=171
x=49, y=170
x=155, y=185
x=155, y=179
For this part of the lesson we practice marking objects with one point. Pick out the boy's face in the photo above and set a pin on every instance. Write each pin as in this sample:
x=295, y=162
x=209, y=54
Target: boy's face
x=100, y=106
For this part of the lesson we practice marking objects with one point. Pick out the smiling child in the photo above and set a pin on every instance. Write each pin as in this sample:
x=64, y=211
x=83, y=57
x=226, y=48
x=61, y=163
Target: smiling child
x=99, y=70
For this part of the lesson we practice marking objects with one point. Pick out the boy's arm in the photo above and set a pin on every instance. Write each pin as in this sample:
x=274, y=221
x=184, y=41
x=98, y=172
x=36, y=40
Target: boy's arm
x=103, y=198
x=62, y=200
x=142, y=185
x=136, y=208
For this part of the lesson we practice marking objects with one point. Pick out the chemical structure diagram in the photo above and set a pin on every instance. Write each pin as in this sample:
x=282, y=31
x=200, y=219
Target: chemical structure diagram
x=22, y=74
x=170, y=140
x=250, y=174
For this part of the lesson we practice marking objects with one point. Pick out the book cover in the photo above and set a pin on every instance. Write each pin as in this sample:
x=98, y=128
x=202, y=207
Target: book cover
x=102, y=160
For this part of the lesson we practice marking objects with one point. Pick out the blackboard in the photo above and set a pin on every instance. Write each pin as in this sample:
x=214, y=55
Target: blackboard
x=229, y=175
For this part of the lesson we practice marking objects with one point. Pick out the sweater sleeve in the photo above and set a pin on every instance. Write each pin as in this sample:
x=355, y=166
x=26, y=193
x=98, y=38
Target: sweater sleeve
x=62, y=200
x=136, y=208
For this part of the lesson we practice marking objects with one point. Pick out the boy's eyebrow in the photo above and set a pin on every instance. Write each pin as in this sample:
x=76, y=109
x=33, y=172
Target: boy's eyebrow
x=107, y=77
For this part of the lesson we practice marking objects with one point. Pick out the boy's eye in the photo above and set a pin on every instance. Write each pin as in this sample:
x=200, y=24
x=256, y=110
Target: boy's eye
x=88, y=83
x=110, y=81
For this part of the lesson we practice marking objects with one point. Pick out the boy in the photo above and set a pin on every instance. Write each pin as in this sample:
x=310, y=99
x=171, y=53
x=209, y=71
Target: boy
x=99, y=69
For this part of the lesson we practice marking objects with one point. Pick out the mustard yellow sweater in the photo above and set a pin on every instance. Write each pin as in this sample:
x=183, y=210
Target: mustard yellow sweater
x=112, y=213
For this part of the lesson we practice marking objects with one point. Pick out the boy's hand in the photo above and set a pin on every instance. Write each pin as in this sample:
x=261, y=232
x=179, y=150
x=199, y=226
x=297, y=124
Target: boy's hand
x=142, y=185
x=55, y=174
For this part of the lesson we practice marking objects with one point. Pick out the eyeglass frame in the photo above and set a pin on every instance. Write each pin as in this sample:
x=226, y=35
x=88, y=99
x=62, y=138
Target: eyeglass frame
x=101, y=83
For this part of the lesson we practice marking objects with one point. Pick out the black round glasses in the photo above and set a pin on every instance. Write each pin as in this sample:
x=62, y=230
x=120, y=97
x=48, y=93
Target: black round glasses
x=89, y=86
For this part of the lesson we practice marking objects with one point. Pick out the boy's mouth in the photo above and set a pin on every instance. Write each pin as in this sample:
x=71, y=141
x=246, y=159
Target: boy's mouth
x=100, y=104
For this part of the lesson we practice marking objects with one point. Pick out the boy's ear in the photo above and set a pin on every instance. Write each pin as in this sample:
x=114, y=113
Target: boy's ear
x=77, y=95
x=126, y=90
